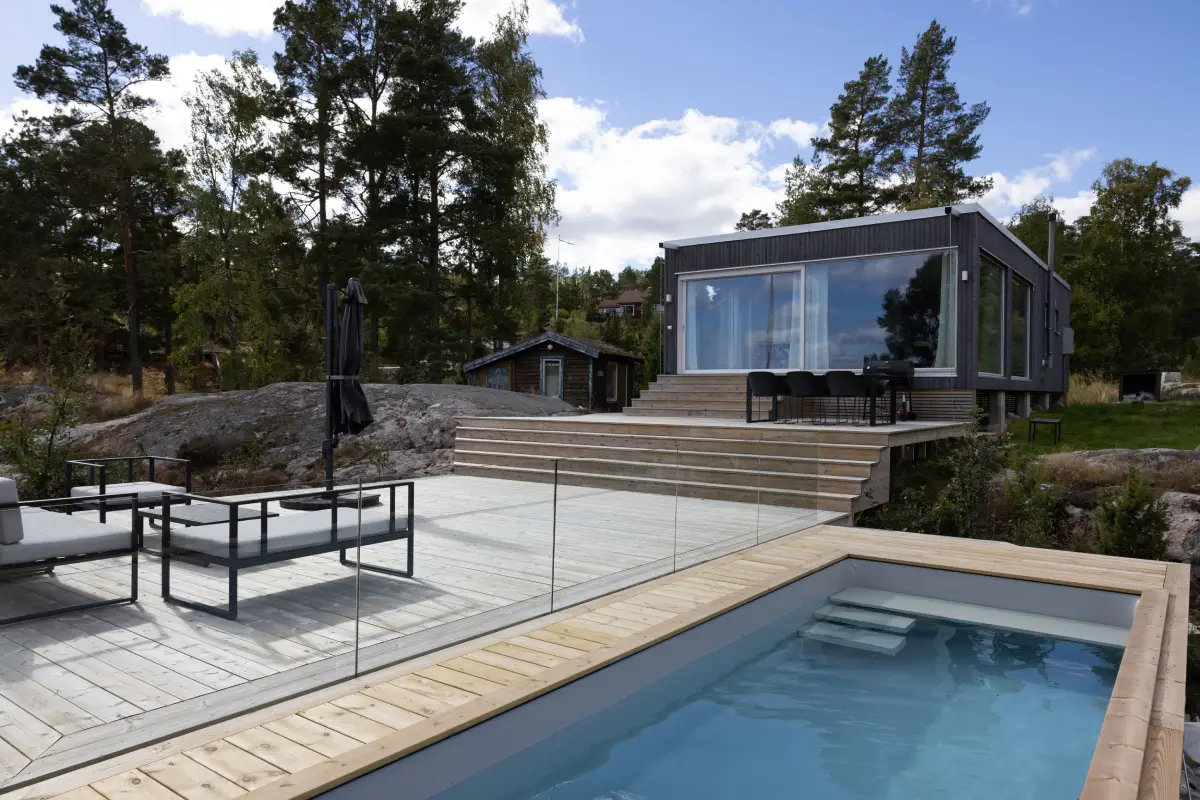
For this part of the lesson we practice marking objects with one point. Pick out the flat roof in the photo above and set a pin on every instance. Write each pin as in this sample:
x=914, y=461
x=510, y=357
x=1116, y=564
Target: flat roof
x=875, y=219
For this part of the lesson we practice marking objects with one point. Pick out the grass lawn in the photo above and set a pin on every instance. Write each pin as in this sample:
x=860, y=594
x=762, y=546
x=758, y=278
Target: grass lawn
x=1097, y=427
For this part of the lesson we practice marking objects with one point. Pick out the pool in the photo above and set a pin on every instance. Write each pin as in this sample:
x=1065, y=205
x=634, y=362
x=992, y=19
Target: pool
x=750, y=704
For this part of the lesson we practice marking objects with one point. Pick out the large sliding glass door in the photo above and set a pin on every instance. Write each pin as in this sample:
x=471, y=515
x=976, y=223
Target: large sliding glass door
x=743, y=322
x=823, y=315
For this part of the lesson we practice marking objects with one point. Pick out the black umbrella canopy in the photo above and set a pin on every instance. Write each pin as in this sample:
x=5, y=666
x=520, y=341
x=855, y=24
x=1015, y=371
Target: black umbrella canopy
x=353, y=414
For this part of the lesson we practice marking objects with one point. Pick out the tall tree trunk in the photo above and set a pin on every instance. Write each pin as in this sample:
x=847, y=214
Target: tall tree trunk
x=434, y=272
x=134, y=323
x=39, y=342
x=168, y=340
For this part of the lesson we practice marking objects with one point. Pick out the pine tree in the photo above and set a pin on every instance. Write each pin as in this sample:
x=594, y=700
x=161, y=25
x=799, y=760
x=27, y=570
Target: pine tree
x=858, y=141
x=311, y=70
x=94, y=78
x=806, y=189
x=934, y=135
x=753, y=220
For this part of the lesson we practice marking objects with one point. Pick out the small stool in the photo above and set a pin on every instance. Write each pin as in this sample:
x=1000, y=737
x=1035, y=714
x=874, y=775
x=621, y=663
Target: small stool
x=1055, y=426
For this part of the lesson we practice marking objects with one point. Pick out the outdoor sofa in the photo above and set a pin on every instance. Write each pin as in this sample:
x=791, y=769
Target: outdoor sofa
x=241, y=544
x=149, y=492
x=34, y=537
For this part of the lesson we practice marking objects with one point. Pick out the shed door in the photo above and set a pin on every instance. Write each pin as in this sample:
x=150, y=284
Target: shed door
x=552, y=377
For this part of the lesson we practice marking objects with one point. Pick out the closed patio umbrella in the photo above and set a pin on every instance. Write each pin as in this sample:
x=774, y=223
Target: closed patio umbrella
x=353, y=412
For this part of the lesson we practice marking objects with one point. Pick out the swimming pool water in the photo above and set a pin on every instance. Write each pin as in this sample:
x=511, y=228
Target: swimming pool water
x=961, y=712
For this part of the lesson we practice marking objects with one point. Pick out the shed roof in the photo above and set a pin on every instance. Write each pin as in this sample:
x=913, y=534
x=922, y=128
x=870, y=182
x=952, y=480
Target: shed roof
x=629, y=297
x=593, y=348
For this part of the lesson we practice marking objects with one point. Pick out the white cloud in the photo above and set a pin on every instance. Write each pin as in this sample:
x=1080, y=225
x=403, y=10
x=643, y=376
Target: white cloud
x=546, y=18
x=623, y=190
x=1009, y=194
x=1188, y=213
x=256, y=17
x=170, y=118
x=1021, y=9
x=221, y=17
x=797, y=130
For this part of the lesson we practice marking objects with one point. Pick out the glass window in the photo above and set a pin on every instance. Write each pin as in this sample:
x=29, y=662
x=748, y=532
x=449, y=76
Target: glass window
x=1022, y=292
x=743, y=322
x=898, y=307
x=552, y=377
x=610, y=381
x=991, y=316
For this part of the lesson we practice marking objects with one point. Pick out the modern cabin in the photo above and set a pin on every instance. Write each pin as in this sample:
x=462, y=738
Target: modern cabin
x=983, y=319
x=584, y=372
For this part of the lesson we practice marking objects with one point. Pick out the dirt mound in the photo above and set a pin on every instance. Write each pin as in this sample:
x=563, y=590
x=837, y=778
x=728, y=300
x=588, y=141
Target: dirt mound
x=274, y=434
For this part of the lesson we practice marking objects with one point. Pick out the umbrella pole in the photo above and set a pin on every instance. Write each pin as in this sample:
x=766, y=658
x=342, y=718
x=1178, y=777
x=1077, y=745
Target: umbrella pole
x=330, y=383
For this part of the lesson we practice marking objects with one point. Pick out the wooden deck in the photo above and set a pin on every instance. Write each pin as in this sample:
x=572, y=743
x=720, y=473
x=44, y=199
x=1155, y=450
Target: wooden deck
x=309, y=744
x=83, y=687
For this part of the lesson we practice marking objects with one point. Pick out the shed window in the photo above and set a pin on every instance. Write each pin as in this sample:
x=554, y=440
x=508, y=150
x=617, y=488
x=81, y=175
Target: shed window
x=610, y=381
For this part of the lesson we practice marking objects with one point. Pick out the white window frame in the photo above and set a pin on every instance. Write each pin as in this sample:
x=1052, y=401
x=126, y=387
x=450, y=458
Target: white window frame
x=792, y=266
x=611, y=382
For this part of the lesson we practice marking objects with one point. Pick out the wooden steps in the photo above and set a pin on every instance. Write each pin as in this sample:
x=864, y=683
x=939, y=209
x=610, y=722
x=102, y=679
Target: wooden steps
x=823, y=501
x=772, y=464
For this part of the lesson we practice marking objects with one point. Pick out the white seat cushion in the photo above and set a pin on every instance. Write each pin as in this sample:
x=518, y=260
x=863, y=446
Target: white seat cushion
x=286, y=532
x=147, y=491
x=53, y=535
x=10, y=520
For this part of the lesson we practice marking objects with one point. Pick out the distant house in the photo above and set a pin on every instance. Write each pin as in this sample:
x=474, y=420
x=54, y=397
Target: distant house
x=628, y=304
x=584, y=372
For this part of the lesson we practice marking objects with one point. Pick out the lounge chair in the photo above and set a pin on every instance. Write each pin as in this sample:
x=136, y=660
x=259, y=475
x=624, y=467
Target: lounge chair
x=149, y=492
x=33, y=537
x=241, y=544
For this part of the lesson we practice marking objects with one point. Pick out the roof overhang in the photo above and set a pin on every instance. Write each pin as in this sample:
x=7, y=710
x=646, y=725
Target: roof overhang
x=877, y=219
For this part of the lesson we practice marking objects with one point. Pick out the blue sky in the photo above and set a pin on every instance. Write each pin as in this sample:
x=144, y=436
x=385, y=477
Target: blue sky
x=670, y=117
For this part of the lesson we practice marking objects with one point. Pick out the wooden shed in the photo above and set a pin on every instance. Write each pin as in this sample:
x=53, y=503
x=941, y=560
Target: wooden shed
x=584, y=372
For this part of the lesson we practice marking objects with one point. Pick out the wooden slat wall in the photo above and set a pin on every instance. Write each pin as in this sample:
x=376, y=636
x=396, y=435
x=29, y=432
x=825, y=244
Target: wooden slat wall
x=576, y=368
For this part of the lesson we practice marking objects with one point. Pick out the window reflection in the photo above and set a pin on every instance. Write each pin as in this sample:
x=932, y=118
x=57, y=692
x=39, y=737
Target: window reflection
x=827, y=315
x=991, y=316
x=900, y=307
x=1022, y=291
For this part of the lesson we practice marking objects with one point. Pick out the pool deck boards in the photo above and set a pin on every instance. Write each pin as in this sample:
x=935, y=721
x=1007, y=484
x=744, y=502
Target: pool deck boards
x=312, y=743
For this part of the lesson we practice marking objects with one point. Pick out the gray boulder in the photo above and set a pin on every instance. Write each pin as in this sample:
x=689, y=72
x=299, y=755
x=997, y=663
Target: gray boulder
x=1183, y=533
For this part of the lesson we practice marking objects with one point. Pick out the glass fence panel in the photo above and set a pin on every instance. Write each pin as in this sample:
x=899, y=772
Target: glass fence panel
x=464, y=556
x=615, y=524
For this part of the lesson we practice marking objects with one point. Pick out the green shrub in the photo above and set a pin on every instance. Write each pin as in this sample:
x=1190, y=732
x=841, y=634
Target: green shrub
x=1037, y=515
x=1131, y=521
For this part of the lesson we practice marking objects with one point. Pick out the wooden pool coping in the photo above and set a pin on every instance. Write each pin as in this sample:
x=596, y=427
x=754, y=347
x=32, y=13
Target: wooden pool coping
x=302, y=748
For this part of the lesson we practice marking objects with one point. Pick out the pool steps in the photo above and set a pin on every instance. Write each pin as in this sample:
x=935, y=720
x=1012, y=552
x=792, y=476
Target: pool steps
x=986, y=616
x=858, y=638
x=864, y=618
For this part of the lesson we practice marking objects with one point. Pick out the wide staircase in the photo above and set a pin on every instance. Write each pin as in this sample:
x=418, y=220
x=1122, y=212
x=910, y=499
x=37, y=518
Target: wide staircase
x=713, y=396
x=846, y=471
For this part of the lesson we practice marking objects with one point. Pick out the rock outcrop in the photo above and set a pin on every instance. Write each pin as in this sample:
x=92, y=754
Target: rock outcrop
x=274, y=434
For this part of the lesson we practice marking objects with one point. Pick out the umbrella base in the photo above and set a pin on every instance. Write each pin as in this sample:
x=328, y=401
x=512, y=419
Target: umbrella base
x=322, y=503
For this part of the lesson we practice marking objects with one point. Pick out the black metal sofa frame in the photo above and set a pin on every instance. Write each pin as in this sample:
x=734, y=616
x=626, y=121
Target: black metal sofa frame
x=234, y=561
x=94, y=465
x=50, y=563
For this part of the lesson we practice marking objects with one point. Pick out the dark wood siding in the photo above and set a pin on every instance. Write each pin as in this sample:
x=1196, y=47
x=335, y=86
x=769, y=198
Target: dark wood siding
x=576, y=371
x=968, y=233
